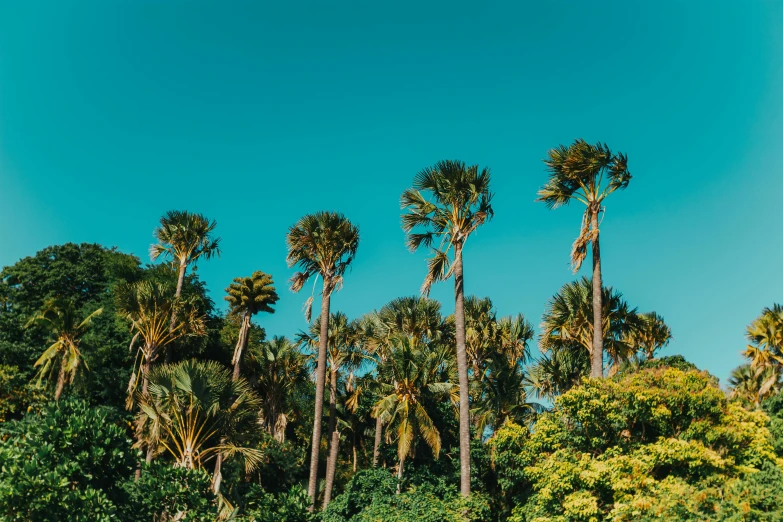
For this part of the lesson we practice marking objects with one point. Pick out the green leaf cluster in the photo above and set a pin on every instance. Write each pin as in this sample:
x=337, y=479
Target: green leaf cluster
x=657, y=444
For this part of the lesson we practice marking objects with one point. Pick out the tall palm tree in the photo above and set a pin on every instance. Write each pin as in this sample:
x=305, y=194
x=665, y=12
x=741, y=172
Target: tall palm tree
x=184, y=237
x=342, y=353
x=459, y=204
x=278, y=369
x=586, y=173
x=413, y=372
x=651, y=335
x=567, y=322
x=59, y=317
x=322, y=244
x=196, y=411
x=749, y=386
x=246, y=297
x=415, y=317
x=765, y=350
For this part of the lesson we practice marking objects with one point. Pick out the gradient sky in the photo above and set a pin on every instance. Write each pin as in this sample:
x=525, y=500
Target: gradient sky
x=256, y=113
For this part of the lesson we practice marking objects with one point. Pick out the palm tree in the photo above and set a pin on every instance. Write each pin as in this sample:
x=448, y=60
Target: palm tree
x=342, y=353
x=412, y=371
x=460, y=204
x=321, y=244
x=184, y=237
x=278, y=369
x=558, y=370
x=196, y=411
x=586, y=173
x=651, y=335
x=415, y=317
x=765, y=350
x=59, y=317
x=246, y=297
x=746, y=384
x=150, y=308
x=497, y=351
x=567, y=322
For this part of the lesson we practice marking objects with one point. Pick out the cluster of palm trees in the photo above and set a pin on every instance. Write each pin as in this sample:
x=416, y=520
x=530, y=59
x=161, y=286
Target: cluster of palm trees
x=406, y=356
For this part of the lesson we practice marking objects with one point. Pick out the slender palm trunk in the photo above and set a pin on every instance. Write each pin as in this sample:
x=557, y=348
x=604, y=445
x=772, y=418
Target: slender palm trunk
x=244, y=331
x=60, y=380
x=334, y=438
x=376, y=449
x=177, y=294
x=353, y=443
x=331, y=466
x=145, y=385
x=597, y=359
x=462, y=370
x=217, y=475
x=320, y=378
x=399, y=475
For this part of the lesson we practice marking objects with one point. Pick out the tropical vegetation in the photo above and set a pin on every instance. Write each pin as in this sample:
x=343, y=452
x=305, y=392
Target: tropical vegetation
x=126, y=393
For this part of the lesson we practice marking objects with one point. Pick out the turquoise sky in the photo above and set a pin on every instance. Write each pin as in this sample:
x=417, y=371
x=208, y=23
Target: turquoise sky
x=255, y=113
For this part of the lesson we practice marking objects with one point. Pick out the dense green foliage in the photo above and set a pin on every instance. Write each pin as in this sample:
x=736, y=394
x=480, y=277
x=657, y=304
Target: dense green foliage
x=654, y=444
x=152, y=405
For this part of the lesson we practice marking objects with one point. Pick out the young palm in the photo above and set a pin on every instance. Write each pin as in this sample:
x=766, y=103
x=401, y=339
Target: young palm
x=567, y=322
x=149, y=307
x=184, y=238
x=412, y=382
x=322, y=244
x=196, y=411
x=459, y=204
x=765, y=350
x=586, y=173
x=246, y=297
x=415, y=317
x=558, y=370
x=278, y=370
x=749, y=386
x=651, y=335
x=63, y=356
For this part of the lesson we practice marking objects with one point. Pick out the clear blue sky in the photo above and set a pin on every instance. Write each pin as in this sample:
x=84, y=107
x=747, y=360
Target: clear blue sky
x=256, y=113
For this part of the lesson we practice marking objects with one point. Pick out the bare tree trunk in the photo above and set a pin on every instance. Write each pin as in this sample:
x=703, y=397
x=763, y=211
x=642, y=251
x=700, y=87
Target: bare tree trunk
x=244, y=333
x=331, y=464
x=597, y=359
x=60, y=381
x=462, y=370
x=376, y=450
x=320, y=378
x=177, y=293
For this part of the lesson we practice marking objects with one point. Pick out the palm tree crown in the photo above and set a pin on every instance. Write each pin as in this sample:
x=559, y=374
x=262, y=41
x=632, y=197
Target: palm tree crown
x=460, y=204
x=324, y=244
x=246, y=297
x=251, y=295
x=59, y=317
x=650, y=335
x=765, y=350
x=185, y=237
x=587, y=173
x=195, y=411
